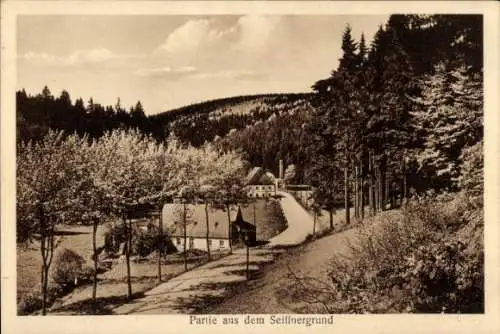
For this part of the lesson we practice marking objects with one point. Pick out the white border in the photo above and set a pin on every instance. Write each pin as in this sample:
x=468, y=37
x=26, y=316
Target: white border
x=487, y=323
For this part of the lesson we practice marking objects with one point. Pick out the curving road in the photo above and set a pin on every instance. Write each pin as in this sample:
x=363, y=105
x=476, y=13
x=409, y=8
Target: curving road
x=216, y=286
x=300, y=223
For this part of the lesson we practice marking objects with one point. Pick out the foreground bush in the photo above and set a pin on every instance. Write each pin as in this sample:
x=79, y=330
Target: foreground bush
x=68, y=269
x=29, y=304
x=428, y=260
x=149, y=241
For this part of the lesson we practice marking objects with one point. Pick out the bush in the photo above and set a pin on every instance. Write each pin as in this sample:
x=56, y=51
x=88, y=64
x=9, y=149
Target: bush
x=421, y=262
x=444, y=277
x=29, y=304
x=68, y=266
x=118, y=234
x=149, y=242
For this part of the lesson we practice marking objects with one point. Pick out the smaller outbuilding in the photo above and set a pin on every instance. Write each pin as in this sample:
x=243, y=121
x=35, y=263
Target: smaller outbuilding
x=243, y=232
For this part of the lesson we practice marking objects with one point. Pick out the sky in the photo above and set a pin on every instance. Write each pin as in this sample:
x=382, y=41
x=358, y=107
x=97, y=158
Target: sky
x=168, y=61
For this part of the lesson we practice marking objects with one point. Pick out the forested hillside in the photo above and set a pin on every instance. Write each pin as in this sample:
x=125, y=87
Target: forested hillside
x=202, y=122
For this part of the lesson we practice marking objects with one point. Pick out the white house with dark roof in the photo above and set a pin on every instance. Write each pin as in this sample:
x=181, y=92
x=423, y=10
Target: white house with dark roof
x=260, y=183
x=196, y=227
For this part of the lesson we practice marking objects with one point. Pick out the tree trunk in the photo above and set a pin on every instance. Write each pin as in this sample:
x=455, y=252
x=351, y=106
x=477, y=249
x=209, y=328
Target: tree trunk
x=376, y=190
x=386, y=192
x=379, y=189
x=356, y=194
x=346, y=197
x=371, y=195
x=45, y=289
x=330, y=212
x=184, y=220
x=361, y=190
x=208, y=232
x=314, y=221
x=405, y=194
x=47, y=251
x=43, y=246
x=94, y=249
x=248, y=255
x=127, y=255
x=228, y=208
x=160, y=242
x=254, y=214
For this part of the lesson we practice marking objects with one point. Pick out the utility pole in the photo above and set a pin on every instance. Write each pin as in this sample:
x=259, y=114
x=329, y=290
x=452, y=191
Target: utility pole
x=248, y=254
x=254, y=216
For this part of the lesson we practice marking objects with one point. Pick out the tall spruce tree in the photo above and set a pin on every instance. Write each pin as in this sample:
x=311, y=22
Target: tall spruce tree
x=450, y=118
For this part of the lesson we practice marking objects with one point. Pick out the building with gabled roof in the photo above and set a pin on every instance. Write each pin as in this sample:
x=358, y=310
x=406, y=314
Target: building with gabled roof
x=196, y=226
x=260, y=183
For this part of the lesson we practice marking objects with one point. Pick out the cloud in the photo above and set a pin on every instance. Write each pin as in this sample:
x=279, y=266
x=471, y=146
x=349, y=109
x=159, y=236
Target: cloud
x=191, y=36
x=80, y=57
x=39, y=56
x=256, y=32
x=166, y=72
x=93, y=56
x=191, y=72
x=231, y=74
x=204, y=37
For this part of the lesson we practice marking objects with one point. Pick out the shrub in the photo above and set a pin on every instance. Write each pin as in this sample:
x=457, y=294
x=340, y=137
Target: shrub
x=420, y=262
x=443, y=277
x=29, y=304
x=148, y=242
x=68, y=266
x=86, y=274
x=118, y=234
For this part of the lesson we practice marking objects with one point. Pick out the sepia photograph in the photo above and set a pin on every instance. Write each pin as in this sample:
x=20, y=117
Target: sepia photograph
x=295, y=165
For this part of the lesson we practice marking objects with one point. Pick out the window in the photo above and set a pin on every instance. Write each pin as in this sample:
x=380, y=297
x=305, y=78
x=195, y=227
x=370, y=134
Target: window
x=221, y=243
x=210, y=242
x=178, y=241
x=191, y=242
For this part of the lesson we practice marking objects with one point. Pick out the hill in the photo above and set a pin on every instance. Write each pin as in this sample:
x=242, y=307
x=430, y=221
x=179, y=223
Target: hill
x=205, y=121
x=266, y=128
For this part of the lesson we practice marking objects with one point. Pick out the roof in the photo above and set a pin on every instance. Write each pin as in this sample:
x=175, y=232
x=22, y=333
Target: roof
x=241, y=223
x=258, y=176
x=267, y=178
x=196, y=221
x=254, y=175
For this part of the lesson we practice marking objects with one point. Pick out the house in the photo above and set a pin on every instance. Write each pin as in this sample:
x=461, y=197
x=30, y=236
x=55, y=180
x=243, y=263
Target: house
x=196, y=227
x=260, y=183
x=242, y=232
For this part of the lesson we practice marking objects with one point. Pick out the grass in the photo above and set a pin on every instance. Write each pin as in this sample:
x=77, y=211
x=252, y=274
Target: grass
x=29, y=261
x=112, y=287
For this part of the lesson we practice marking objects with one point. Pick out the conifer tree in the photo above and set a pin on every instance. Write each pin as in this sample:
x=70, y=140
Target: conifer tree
x=449, y=118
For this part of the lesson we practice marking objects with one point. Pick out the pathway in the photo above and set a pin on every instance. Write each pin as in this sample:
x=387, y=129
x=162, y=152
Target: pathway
x=221, y=286
x=191, y=291
x=300, y=223
x=195, y=289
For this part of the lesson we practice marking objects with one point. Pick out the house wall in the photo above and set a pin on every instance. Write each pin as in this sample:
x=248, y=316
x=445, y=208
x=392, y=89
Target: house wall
x=259, y=191
x=200, y=243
